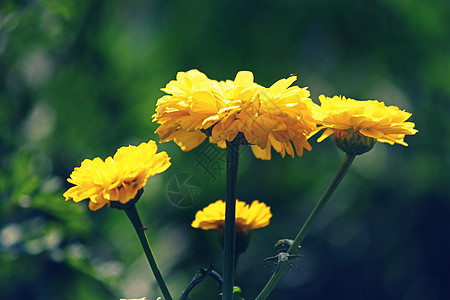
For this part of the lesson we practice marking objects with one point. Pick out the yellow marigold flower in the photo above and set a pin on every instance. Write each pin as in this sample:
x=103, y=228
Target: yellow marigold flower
x=268, y=117
x=284, y=114
x=368, y=118
x=248, y=217
x=118, y=178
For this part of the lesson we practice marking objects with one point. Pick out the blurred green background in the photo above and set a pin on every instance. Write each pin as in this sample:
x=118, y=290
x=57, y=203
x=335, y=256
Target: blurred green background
x=79, y=79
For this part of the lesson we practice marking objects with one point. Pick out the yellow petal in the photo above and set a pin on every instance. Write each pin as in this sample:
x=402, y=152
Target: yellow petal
x=244, y=78
x=204, y=102
x=264, y=154
x=325, y=134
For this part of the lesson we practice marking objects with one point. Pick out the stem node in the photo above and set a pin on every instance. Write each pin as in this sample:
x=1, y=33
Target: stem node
x=307, y=225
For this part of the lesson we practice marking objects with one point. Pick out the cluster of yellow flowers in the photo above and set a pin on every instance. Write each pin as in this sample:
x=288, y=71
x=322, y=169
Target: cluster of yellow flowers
x=280, y=117
x=197, y=106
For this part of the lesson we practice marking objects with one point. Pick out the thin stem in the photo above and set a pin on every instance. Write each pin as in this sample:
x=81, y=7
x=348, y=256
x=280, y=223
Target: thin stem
x=230, y=220
x=236, y=260
x=307, y=225
x=133, y=215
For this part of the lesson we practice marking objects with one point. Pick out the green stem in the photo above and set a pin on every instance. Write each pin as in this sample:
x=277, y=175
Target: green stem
x=307, y=225
x=133, y=215
x=230, y=220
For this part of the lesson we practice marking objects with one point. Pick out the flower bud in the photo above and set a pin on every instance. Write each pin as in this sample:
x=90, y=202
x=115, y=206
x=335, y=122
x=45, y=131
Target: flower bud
x=242, y=240
x=124, y=206
x=352, y=142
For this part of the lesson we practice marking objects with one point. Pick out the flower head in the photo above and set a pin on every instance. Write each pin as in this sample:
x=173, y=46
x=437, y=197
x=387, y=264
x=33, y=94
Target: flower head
x=196, y=107
x=361, y=123
x=248, y=217
x=118, y=178
x=284, y=115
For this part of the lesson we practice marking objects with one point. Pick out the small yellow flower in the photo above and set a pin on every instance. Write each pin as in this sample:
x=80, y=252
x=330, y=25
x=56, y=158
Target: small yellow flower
x=118, y=178
x=197, y=106
x=255, y=216
x=368, y=118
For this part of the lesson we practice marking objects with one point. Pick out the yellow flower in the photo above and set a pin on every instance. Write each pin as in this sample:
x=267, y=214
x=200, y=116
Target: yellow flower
x=197, y=106
x=369, y=118
x=118, y=178
x=255, y=216
x=284, y=115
